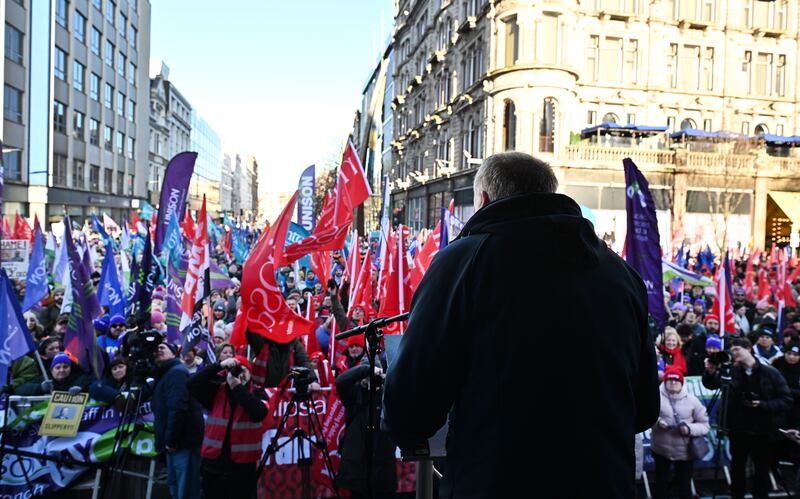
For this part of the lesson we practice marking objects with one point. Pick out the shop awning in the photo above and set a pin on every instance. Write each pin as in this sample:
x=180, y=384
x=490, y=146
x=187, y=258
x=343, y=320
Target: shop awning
x=694, y=133
x=789, y=202
x=781, y=140
x=615, y=128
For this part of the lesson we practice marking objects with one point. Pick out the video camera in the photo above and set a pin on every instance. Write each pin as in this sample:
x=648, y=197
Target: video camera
x=721, y=358
x=302, y=377
x=140, y=349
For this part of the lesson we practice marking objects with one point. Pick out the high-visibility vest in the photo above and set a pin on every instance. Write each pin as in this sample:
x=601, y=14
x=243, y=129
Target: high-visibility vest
x=245, y=438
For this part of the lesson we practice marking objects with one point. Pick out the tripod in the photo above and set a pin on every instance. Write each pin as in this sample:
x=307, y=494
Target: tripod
x=720, y=396
x=314, y=437
x=127, y=430
x=4, y=436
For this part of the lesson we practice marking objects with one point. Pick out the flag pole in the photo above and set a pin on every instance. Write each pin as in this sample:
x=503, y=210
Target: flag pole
x=400, y=276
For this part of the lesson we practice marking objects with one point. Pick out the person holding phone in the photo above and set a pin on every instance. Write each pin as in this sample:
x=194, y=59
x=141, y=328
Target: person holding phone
x=759, y=401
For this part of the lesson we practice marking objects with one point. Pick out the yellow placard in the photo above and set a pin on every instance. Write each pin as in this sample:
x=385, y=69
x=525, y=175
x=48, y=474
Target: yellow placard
x=63, y=416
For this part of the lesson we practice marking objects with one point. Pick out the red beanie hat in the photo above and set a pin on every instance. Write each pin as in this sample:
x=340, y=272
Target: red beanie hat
x=710, y=316
x=672, y=372
x=243, y=362
x=357, y=339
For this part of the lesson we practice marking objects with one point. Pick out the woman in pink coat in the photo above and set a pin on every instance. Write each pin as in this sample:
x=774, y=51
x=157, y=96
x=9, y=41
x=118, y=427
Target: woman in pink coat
x=682, y=416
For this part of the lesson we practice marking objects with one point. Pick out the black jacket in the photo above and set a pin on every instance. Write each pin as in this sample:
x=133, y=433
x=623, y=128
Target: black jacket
x=694, y=352
x=769, y=387
x=791, y=373
x=279, y=356
x=178, y=418
x=353, y=467
x=473, y=344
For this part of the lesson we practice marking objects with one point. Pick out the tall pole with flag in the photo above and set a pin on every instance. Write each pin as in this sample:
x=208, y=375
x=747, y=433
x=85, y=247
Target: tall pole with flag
x=196, y=286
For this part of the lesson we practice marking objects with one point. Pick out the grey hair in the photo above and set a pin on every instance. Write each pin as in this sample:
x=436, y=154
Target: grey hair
x=513, y=173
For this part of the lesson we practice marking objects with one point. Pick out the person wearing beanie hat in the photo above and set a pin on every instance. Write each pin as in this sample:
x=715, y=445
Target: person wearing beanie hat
x=713, y=345
x=711, y=322
x=177, y=423
x=789, y=367
x=101, y=325
x=219, y=333
x=115, y=380
x=758, y=401
x=158, y=321
x=66, y=376
x=219, y=310
x=790, y=335
x=237, y=413
x=352, y=356
x=766, y=350
x=682, y=416
x=112, y=340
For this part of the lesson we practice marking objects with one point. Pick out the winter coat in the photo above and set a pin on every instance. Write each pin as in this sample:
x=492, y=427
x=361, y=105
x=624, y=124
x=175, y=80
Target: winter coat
x=770, y=388
x=353, y=466
x=76, y=378
x=106, y=390
x=673, y=357
x=281, y=355
x=178, y=418
x=694, y=352
x=791, y=373
x=24, y=370
x=468, y=348
x=669, y=442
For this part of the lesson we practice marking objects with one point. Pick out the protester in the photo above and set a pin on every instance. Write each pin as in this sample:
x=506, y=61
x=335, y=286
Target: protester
x=758, y=403
x=48, y=348
x=466, y=349
x=178, y=424
x=191, y=360
x=274, y=360
x=237, y=414
x=353, y=355
x=65, y=376
x=670, y=348
x=682, y=417
x=112, y=340
x=225, y=351
x=36, y=329
x=115, y=380
x=789, y=366
x=766, y=351
x=51, y=313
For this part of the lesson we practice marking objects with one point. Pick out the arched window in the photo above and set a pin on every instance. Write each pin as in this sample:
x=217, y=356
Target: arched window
x=547, y=126
x=688, y=123
x=610, y=118
x=509, y=126
x=761, y=129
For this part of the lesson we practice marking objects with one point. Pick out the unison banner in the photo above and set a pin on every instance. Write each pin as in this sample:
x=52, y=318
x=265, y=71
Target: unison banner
x=642, y=247
x=305, y=200
x=174, y=191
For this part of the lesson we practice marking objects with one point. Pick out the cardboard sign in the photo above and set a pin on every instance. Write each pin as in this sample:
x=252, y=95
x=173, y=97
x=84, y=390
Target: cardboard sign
x=64, y=414
x=14, y=254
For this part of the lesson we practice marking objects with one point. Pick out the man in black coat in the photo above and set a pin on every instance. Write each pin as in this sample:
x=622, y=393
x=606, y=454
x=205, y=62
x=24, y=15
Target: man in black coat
x=516, y=420
x=759, y=401
x=178, y=423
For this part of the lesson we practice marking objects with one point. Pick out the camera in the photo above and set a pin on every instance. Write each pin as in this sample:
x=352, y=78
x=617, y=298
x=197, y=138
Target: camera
x=140, y=348
x=302, y=377
x=751, y=396
x=720, y=358
x=236, y=371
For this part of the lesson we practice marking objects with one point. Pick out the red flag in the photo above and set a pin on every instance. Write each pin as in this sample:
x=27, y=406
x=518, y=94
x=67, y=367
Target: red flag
x=7, y=234
x=266, y=312
x=773, y=256
x=361, y=289
x=723, y=301
x=763, y=284
x=352, y=184
x=333, y=427
x=199, y=263
x=424, y=257
x=312, y=345
x=35, y=224
x=187, y=225
x=788, y=297
x=321, y=264
x=238, y=338
x=749, y=275
x=21, y=228
x=397, y=286
x=227, y=242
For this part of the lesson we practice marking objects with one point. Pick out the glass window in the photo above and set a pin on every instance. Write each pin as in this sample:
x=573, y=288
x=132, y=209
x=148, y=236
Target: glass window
x=689, y=62
x=512, y=41
x=123, y=21
x=509, y=126
x=134, y=5
x=61, y=12
x=131, y=111
x=592, y=58
x=94, y=132
x=109, y=53
x=130, y=185
x=12, y=104
x=121, y=64
x=549, y=38
x=60, y=64
x=120, y=183
x=78, y=180
x=780, y=76
x=120, y=104
x=120, y=143
x=98, y=4
x=78, y=74
x=547, y=126
x=95, y=41
x=107, y=178
x=59, y=117
x=94, y=87
x=631, y=61
x=94, y=178
x=611, y=67
x=12, y=165
x=132, y=73
x=131, y=147
x=134, y=35
x=79, y=27
x=110, y=11
x=108, y=96
x=108, y=132
x=77, y=124
x=13, y=43
x=59, y=170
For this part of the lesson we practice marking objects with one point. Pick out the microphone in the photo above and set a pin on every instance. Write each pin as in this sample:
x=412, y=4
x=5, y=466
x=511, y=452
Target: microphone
x=380, y=322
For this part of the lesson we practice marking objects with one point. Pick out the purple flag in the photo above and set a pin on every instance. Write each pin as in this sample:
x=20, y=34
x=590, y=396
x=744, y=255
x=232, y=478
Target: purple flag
x=79, y=339
x=174, y=191
x=305, y=200
x=174, y=298
x=642, y=248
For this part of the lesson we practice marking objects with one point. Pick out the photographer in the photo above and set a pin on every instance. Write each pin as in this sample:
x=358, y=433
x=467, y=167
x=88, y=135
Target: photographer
x=114, y=382
x=353, y=389
x=757, y=405
x=274, y=360
x=237, y=414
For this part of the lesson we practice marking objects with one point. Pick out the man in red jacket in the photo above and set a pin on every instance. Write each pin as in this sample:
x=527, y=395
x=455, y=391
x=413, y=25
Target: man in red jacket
x=237, y=417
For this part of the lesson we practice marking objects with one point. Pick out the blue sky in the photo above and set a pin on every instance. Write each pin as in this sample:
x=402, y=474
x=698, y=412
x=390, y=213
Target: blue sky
x=281, y=80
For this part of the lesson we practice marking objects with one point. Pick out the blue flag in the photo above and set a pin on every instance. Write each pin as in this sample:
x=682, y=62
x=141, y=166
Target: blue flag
x=450, y=228
x=79, y=339
x=238, y=246
x=148, y=275
x=643, y=250
x=133, y=286
x=36, y=280
x=15, y=339
x=172, y=247
x=98, y=227
x=110, y=289
x=227, y=221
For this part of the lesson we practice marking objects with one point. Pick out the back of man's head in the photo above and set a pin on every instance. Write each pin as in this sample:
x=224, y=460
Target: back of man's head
x=511, y=174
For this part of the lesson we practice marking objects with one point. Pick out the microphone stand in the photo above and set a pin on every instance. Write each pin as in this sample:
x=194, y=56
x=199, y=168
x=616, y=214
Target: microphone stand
x=373, y=333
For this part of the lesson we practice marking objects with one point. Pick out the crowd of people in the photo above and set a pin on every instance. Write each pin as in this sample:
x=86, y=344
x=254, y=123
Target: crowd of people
x=211, y=411
x=757, y=364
